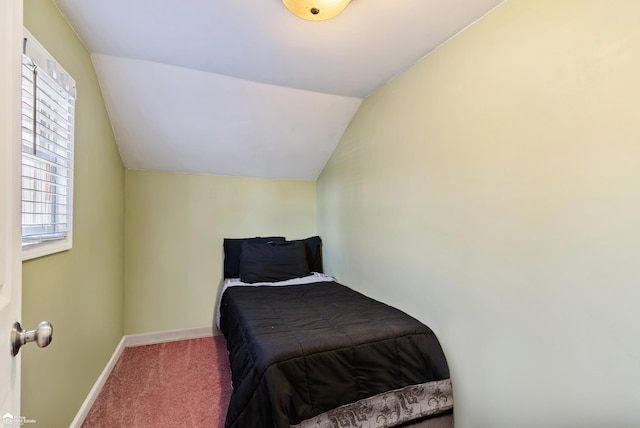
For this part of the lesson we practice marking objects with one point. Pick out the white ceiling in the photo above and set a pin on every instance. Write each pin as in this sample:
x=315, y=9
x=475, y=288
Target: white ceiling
x=243, y=87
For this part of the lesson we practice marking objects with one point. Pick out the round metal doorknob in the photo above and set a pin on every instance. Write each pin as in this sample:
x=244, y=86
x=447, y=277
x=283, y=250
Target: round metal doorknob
x=42, y=336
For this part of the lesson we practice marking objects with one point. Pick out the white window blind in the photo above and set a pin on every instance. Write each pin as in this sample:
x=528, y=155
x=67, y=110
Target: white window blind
x=48, y=101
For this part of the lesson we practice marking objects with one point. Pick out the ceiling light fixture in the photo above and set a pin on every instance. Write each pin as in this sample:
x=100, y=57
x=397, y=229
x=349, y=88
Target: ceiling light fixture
x=316, y=10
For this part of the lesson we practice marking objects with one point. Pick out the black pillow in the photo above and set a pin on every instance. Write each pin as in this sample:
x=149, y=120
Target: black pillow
x=313, y=247
x=232, y=249
x=276, y=261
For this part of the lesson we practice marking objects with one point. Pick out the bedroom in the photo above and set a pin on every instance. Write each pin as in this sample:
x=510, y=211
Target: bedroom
x=495, y=182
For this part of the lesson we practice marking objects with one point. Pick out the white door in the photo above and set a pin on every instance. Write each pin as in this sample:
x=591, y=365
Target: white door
x=10, y=252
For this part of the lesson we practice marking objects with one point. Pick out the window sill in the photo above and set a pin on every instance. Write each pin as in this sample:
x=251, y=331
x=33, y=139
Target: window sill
x=46, y=249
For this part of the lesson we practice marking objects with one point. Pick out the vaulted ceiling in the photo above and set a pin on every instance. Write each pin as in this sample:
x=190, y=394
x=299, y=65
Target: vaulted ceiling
x=243, y=87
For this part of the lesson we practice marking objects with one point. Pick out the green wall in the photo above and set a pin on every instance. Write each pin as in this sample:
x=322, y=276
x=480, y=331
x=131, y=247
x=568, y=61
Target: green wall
x=175, y=226
x=491, y=190
x=79, y=291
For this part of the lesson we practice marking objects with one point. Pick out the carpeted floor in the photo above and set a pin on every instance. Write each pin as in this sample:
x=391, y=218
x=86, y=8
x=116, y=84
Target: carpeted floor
x=176, y=384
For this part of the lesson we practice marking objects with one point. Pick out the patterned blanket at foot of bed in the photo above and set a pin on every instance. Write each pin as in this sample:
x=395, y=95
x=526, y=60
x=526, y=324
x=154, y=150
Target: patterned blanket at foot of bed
x=388, y=409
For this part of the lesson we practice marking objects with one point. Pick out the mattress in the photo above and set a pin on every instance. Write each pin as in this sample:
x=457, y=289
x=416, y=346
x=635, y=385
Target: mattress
x=301, y=353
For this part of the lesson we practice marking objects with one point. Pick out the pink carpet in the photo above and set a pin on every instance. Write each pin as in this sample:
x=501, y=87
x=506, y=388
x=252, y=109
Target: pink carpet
x=177, y=384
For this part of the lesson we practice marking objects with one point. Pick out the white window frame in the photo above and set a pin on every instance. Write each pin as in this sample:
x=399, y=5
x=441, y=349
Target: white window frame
x=45, y=63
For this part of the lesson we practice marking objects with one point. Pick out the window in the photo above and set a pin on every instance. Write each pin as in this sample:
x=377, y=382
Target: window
x=48, y=101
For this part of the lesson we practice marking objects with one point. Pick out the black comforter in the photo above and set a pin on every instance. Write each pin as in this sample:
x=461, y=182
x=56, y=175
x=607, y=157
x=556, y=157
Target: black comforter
x=300, y=350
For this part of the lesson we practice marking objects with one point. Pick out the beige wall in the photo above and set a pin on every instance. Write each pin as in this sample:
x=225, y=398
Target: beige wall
x=175, y=225
x=492, y=190
x=79, y=291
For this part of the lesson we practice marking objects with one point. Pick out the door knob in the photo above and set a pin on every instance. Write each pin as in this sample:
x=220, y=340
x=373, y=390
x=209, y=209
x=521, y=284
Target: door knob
x=42, y=336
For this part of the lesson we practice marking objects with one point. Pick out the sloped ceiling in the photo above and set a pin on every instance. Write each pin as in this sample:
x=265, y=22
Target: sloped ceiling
x=243, y=87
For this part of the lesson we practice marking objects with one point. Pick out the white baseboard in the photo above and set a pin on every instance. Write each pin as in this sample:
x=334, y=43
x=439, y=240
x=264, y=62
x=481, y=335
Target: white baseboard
x=168, y=336
x=129, y=341
x=97, y=387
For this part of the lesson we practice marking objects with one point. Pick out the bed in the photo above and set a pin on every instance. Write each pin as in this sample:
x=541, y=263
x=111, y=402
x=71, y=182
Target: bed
x=309, y=352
